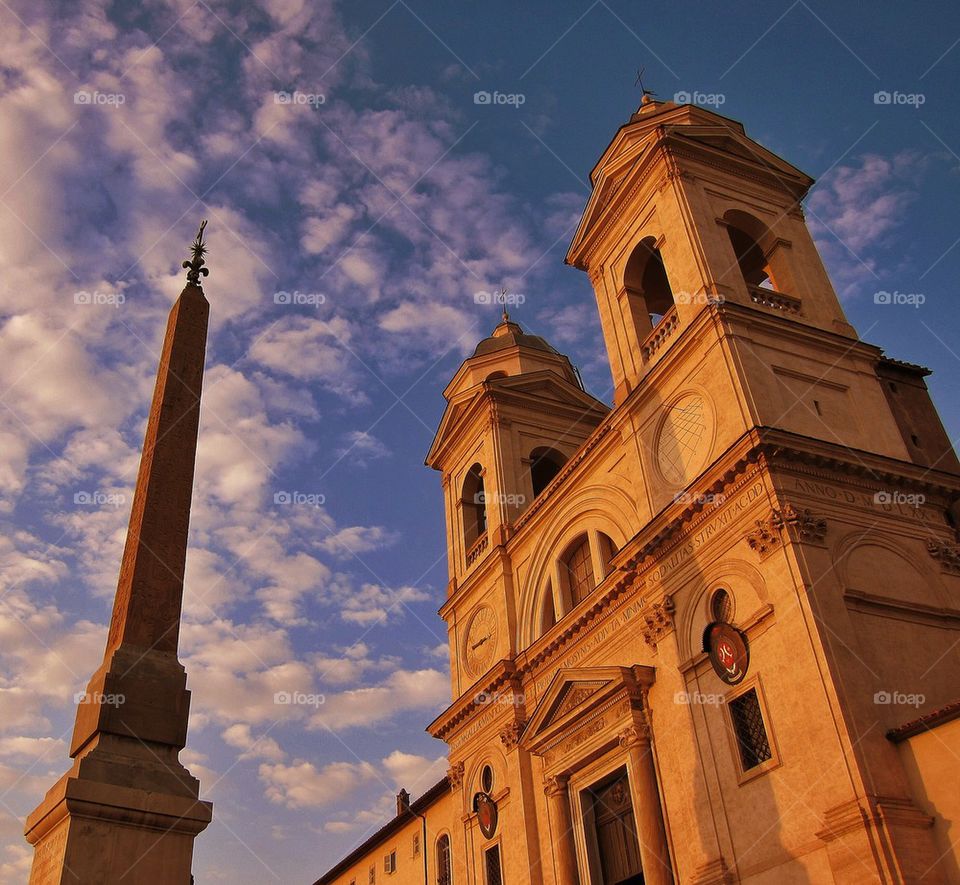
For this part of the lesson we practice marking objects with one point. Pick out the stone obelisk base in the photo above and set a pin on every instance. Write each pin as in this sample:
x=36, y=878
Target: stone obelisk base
x=91, y=833
x=127, y=811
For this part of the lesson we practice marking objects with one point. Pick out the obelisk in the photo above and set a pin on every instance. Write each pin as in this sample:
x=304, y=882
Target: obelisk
x=128, y=811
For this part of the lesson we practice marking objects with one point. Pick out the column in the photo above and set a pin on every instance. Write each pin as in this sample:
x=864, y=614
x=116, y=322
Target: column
x=561, y=830
x=651, y=832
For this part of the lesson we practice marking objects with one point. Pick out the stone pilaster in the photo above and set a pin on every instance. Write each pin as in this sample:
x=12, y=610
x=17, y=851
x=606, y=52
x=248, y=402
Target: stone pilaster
x=561, y=831
x=651, y=833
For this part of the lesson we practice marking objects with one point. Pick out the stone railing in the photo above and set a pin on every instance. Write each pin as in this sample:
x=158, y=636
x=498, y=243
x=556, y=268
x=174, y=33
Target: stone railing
x=775, y=300
x=474, y=553
x=661, y=332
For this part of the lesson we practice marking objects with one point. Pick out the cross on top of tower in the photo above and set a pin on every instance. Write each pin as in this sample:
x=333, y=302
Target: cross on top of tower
x=196, y=263
x=648, y=94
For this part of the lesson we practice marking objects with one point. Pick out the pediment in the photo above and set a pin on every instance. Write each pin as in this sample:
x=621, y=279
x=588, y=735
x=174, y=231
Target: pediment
x=574, y=692
x=545, y=387
x=739, y=145
x=696, y=127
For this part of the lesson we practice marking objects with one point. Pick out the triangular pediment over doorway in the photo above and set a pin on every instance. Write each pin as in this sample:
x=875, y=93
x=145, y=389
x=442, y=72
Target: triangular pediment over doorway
x=574, y=693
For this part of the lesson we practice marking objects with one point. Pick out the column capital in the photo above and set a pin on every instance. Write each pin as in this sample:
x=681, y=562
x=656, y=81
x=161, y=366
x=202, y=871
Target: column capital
x=634, y=735
x=510, y=736
x=455, y=775
x=556, y=785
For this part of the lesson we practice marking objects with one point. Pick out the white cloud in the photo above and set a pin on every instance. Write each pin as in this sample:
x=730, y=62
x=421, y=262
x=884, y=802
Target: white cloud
x=311, y=349
x=415, y=773
x=356, y=539
x=303, y=785
x=240, y=736
x=361, y=447
x=856, y=211
x=402, y=691
x=372, y=603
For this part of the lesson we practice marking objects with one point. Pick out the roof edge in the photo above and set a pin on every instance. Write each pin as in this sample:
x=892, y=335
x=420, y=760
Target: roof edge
x=422, y=803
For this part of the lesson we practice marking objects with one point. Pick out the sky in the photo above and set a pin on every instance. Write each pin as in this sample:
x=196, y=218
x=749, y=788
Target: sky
x=360, y=194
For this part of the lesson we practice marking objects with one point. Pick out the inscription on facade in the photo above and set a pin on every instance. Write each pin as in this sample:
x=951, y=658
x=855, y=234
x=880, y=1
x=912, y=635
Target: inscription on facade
x=884, y=500
x=695, y=542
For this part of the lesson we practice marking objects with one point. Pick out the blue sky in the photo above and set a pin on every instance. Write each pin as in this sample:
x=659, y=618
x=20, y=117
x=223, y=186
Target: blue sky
x=383, y=198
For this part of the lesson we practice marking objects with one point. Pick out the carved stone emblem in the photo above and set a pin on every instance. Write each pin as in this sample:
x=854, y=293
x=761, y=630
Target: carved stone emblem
x=948, y=555
x=765, y=537
x=802, y=525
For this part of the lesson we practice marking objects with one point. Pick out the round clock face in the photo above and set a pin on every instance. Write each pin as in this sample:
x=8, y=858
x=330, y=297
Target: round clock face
x=481, y=642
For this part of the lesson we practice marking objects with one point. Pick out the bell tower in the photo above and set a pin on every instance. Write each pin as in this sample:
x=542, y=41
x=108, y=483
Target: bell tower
x=687, y=211
x=516, y=412
x=688, y=214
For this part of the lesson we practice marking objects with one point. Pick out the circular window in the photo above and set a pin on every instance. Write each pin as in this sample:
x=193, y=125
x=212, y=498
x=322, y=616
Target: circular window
x=721, y=607
x=486, y=779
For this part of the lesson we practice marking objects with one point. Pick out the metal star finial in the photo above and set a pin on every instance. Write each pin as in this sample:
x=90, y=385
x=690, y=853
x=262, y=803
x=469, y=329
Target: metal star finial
x=196, y=264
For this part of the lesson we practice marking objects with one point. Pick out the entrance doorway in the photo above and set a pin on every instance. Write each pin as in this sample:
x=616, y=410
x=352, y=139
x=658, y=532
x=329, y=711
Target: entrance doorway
x=612, y=832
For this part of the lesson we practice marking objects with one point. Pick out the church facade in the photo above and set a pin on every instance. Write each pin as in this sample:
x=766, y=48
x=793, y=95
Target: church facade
x=709, y=635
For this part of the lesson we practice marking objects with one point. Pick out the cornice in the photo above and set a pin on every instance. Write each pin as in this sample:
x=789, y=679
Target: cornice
x=503, y=673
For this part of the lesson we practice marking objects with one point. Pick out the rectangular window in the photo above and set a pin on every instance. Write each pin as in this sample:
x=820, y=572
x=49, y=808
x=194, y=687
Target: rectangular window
x=749, y=729
x=390, y=862
x=373, y=875
x=492, y=863
x=416, y=844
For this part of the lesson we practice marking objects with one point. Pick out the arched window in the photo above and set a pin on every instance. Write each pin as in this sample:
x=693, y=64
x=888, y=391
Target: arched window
x=474, y=506
x=607, y=551
x=648, y=289
x=548, y=613
x=443, y=860
x=753, y=245
x=577, y=568
x=545, y=464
